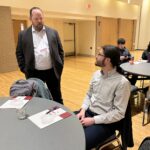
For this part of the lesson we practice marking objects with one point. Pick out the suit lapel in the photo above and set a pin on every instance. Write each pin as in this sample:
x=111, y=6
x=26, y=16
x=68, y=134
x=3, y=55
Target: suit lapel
x=30, y=38
x=30, y=47
x=49, y=38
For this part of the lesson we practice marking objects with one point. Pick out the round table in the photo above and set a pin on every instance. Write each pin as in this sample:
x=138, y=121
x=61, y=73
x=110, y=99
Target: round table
x=66, y=134
x=142, y=69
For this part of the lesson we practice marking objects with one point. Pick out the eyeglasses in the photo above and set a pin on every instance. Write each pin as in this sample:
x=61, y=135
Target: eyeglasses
x=99, y=54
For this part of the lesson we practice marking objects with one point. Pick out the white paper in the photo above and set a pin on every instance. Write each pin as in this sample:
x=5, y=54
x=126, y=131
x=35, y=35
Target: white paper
x=137, y=62
x=17, y=103
x=42, y=119
x=140, y=61
x=143, y=61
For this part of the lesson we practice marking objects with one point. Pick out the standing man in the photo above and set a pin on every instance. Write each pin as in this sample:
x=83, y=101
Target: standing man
x=106, y=100
x=40, y=54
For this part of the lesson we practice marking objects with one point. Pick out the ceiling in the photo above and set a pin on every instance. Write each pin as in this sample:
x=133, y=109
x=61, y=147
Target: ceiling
x=136, y=2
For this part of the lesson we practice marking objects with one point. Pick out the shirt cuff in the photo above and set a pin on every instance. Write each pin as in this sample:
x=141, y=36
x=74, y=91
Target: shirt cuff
x=84, y=106
x=97, y=119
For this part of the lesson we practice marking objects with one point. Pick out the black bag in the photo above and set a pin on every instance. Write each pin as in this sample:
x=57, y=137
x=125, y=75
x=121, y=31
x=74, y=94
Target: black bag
x=145, y=145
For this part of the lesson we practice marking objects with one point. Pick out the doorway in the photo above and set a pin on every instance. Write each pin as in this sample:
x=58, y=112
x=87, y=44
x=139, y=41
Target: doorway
x=69, y=39
x=18, y=25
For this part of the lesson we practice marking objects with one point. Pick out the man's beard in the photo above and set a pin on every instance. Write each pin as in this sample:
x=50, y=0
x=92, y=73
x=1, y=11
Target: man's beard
x=39, y=27
x=100, y=63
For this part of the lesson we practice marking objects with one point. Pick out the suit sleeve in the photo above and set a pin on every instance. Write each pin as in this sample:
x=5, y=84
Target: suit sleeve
x=60, y=48
x=20, y=54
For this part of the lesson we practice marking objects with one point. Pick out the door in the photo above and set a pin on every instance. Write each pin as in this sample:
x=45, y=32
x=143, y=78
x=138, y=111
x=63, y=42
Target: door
x=127, y=31
x=18, y=25
x=106, y=31
x=69, y=39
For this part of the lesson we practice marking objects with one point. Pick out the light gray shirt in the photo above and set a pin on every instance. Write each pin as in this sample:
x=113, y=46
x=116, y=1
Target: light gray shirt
x=107, y=96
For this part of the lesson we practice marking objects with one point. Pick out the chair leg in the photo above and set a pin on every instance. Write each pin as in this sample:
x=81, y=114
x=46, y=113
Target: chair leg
x=146, y=111
x=143, y=118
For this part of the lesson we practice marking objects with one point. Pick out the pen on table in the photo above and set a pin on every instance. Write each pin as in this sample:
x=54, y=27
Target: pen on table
x=50, y=110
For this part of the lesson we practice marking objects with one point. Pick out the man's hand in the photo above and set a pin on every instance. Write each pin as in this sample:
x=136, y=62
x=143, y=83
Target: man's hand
x=122, y=57
x=87, y=121
x=81, y=114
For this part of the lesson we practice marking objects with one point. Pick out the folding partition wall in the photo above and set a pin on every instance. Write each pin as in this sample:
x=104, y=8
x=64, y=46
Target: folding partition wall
x=108, y=30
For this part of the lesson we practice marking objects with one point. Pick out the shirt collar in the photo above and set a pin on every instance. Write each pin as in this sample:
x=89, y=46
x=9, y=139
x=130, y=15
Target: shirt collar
x=108, y=74
x=33, y=29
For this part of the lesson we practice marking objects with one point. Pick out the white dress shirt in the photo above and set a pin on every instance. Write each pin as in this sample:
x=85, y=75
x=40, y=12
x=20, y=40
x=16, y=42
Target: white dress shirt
x=41, y=50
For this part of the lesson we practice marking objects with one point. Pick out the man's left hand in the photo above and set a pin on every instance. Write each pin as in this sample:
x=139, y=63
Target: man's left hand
x=87, y=121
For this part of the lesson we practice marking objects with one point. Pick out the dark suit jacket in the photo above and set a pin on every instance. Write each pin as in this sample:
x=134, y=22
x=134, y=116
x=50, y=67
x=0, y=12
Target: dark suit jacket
x=25, y=51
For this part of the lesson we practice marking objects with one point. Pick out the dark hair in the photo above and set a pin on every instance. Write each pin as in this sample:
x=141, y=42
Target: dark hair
x=113, y=53
x=121, y=41
x=33, y=8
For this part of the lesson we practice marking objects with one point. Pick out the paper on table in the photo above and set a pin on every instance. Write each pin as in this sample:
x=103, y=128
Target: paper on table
x=140, y=61
x=137, y=62
x=144, y=61
x=17, y=102
x=44, y=119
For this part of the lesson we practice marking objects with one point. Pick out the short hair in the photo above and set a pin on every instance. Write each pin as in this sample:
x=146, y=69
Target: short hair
x=112, y=52
x=33, y=8
x=121, y=41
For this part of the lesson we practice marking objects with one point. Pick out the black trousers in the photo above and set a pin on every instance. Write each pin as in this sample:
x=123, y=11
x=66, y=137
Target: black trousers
x=49, y=77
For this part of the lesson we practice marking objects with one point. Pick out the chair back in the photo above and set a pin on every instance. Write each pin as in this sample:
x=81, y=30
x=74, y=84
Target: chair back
x=126, y=129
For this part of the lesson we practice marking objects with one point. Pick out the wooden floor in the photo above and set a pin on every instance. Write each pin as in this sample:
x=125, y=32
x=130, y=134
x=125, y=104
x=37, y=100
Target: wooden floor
x=75, y=81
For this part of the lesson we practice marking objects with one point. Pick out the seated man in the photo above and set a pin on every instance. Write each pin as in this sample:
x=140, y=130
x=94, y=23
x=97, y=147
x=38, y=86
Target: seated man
x=125, y=55
x=146, y=53
x=106, y=100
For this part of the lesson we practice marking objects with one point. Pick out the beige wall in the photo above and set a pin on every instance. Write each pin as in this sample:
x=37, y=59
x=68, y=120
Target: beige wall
x=109, y=8
x=56, y=24
x=7, y=44
x=144, y=26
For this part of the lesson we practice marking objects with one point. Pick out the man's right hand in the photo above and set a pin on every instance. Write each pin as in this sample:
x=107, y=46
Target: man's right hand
x=81, y=114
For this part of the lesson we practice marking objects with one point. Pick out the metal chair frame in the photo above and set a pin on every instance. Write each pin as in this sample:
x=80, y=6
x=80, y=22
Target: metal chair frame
x=146, y=110
x=110, y=141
